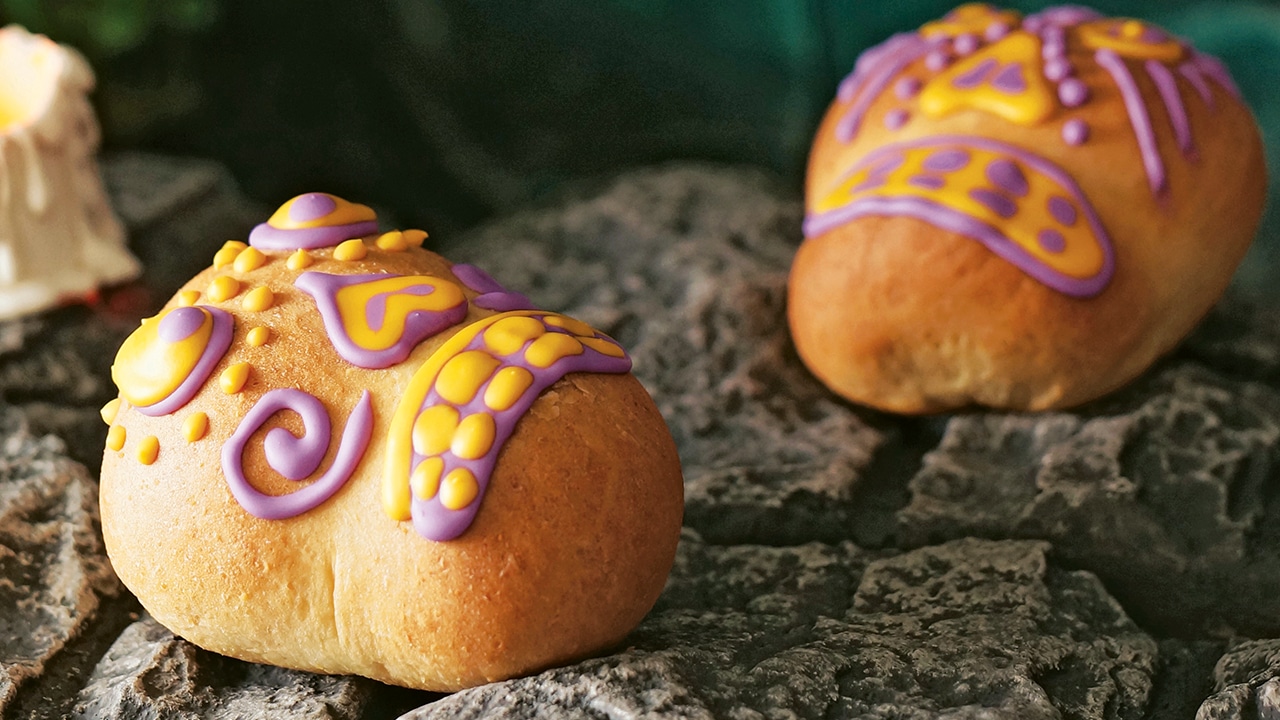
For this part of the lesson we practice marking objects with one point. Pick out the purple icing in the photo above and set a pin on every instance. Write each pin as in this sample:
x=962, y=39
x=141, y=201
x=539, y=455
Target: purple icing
x=1009, y=80
x=928, y=182
x=1075, y=131
x=1052, y=241
x=948, y=160
x=937, y=60
x=219, y=341
x=1058, y=69
x=995, y=202
x=965, y=43
x=1054, y=35
x=375, y=312
x=431, y=518
x=975, y=77
x=897, y=53
x=267, y=237
x=1138, y=116
x=495, y=297
x=1193, y=76
x=907, y=88
x=895, y=119
x=296, y=454
x=1062, y=210
x=311, y=206
x=844, y=92
x=418, y=324
x=1167, y=86
x=1006, y=175
x=1072, y=92
x=958, y=222
x=476, y=278
x=180, y=324
x=1053, y=51
x=1212, y=67
x=996, y=30
x=1063, y=15
x=503, y=301
x=1033, y=24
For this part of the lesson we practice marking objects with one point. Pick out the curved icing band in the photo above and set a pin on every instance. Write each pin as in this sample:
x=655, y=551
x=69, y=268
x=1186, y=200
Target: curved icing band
x=1021, y=206
x=314, y=220
x=293, y=457
x=463, y=404
x=492, y=295
x=161, y=365
x=375, y=321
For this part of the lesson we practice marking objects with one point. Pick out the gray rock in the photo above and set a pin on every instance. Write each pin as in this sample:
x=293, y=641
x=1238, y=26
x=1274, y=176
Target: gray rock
x=1247, y=684
x=971, y=629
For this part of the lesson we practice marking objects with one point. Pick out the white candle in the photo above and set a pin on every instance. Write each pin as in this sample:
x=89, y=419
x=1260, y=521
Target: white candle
x=59, y=239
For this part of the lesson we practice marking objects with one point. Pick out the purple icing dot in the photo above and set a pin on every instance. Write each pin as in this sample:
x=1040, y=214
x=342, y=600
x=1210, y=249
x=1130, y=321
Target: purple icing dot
x=907, y=88
x=1053, y=51
x=1058, y=69
x=995, y=202
x=180, y=324
x=966, y=43
x=946, y=160
x=937, y=60
x=311, y=207
x=1075, y=131
x=1052, y=241
x=895, y=118
x=928, y=182
x=1072, y=92
x=996, y=30
x=1009, y=80
x=1062, y=210
x=1054, y=35
x=1006, y=175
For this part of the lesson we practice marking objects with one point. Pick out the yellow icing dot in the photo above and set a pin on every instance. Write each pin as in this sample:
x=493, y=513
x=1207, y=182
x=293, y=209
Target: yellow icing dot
x=109, y=411
x=463, y=375
x=425, y=479
x=392, y=241
x=601, y=345
x=352, y=249
x=433, y=430
x=187, y=298
x=507, y=387
x=115, y=437
x=230, y=250
x=195, y=426
x=474, y=436
x=414, y=238
x=299, y=260
x=258, y=336
x=577, y=327
x=510, y=334
x=258, y=299
x=249, y=260
x=1126, y=37
x=549, y=348
x=233, y=378
x=148, y=449
x=458, y=489
x=222, y=288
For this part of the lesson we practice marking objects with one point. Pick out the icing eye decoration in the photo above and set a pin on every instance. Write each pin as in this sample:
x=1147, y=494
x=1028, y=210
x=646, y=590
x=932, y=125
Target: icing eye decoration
x=296, y=458
x=1003, y=79
x=162, y=365
x=314, y=220
x=1132, y=39
x=492, y=295
x=375, y=321
x=463, y=404
x=975, y=18
x=1022, y=207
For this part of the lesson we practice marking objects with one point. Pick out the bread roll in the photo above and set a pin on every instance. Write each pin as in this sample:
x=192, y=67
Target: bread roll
x=349, y=456
x=1019, y=213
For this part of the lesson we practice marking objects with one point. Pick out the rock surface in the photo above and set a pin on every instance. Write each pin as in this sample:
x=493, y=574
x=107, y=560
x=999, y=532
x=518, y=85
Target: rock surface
x=839, y=562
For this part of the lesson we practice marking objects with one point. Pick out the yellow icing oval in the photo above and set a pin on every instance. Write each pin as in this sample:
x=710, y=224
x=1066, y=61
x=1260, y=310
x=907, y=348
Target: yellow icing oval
x=148, y=369
x=458, y=489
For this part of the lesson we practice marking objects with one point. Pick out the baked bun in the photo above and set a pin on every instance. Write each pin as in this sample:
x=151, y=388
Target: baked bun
x=1019, y=213
x=350, y=456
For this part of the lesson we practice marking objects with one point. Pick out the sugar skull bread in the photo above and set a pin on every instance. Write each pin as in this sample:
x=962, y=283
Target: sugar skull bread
x=1019, y=212
x=335, y=451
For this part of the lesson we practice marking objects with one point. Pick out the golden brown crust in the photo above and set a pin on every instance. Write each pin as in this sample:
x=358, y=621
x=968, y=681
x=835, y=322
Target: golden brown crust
x=570, y=549
x=903, y=315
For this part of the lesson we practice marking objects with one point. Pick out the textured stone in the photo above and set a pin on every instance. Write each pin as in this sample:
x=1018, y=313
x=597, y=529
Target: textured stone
x=970, y=629
x=1247, y=684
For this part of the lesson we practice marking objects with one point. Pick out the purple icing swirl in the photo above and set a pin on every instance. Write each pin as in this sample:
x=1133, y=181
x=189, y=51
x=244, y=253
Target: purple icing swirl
x=267, y=237
x=293, y=457
x=219, y=341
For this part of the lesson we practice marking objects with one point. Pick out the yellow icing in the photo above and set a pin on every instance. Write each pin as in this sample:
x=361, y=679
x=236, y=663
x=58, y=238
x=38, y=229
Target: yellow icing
x=257, y=337
x=458, y=489
x=115, y=437
x=463, y=375
x=510, y=334
x=1035, y=104
x=148, y=450
x=348, y=250
x=425, y=480
x=187, y=298
x=392, y=241
x=474, y=436
x=249, y=260
x=1097, y=35
x=414, y=238
x=353, y=301
x=969, y=18
x=258, y=299
x=434, y=429
x=299, y=260
x=345, y=213
x=147, y=369
x=109, y=411
x=234, y=378
x=228, y=253
x=507, y=387
x=577, y=327
x=601, y=345
x=195, y=426
x=223, y=287
x=549, y=348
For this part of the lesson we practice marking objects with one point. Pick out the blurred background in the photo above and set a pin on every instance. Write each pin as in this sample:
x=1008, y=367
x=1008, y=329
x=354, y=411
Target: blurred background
x=447, y=112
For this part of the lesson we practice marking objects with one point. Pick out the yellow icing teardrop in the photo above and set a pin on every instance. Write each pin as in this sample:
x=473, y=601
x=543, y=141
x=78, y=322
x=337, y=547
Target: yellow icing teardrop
x=195, y=426
x=549, y=348
x=434, y=429
x=234, y=378
x=392, y=241
x=257, y=337
x=115, y=437
x=258, y=299
x=110, y=410
x=223, y=287
x=148, y=450
x=425, y=480
x=414, y=238
x=510, y=334
x=458, y=489
x=187, y=298
x=474, y=436
x=249, y=260
x=507, y=387
x=463, y=375
x=350, y=250
x=299, y=260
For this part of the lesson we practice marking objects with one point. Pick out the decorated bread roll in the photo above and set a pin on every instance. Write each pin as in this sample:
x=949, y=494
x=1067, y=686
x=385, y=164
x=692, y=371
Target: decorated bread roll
x=335, y=451
x=1019, y=212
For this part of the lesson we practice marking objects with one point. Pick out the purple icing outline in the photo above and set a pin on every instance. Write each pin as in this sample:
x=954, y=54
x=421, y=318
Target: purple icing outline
x=355, y=440
x=431, y=519
x=268, y=237
x=955, y=221
x=418, y=324
x=1215, y=70
x=219, y=342
x=1197, y=80
x=891, y=57
x=1167, y=86
x=1139, y=118
x=493, y=296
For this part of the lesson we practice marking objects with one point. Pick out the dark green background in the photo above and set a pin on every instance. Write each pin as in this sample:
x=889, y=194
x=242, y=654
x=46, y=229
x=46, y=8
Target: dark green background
x=449, y=111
